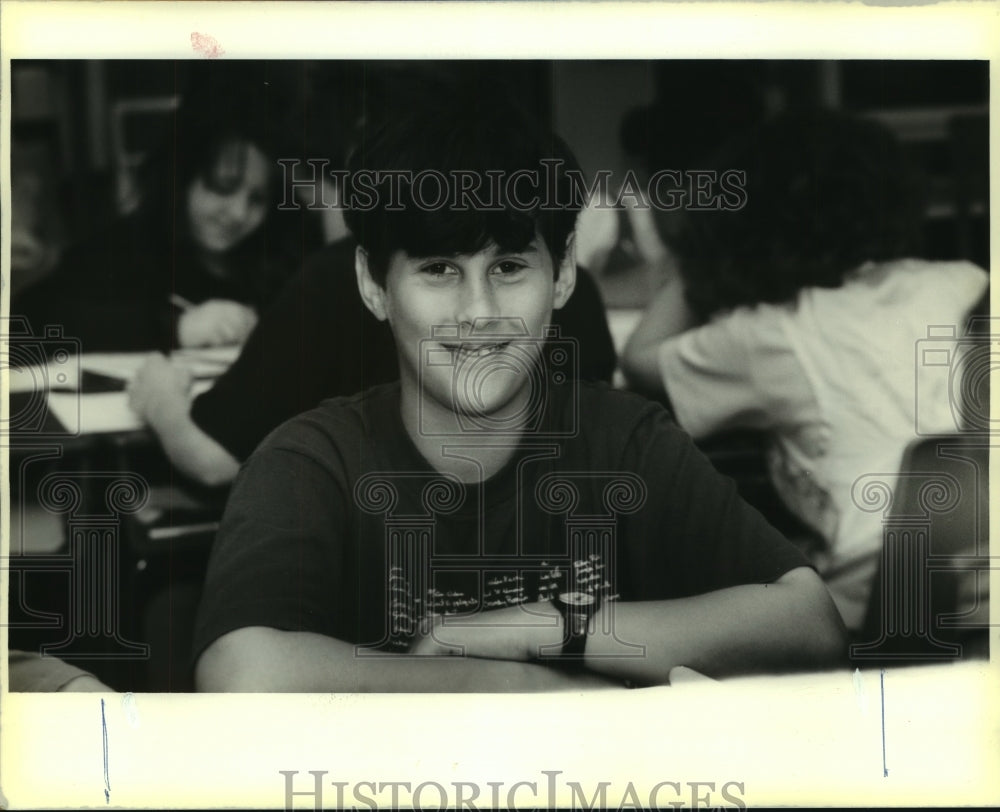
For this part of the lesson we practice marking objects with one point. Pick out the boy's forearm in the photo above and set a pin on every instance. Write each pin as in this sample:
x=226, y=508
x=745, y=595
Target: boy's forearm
x=787, y=625
x=791, y=624
x=261, y=659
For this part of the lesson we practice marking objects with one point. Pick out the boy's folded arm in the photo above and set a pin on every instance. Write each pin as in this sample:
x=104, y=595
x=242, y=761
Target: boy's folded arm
x=788, y=625
x=262, y=659
x=791, y=624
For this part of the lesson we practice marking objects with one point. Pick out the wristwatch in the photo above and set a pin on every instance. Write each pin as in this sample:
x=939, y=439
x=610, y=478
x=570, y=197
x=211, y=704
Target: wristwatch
x=576, y=608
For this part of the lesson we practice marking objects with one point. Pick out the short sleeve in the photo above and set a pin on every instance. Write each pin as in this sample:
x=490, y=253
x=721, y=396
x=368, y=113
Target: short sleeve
x=694, y=534
x=277, y=558
x=736, y=372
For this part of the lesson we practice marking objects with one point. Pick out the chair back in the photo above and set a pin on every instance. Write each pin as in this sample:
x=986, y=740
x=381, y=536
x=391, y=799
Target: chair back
x=930, y=598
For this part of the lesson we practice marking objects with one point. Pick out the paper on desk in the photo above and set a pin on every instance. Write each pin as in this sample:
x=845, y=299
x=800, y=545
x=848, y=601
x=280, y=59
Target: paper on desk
x=39, y=378
x=100, y=412
x=93, y=414
x=204, y=362
x=208, y=362
x=66, y=375
x=121, y=365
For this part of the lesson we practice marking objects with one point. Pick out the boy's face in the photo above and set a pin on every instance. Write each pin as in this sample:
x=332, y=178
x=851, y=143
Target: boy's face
x=468, y=327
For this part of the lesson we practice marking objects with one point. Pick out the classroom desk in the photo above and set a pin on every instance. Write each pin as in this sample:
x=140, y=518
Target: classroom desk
x=74, y=415
x=82, y=396
x=115, y=521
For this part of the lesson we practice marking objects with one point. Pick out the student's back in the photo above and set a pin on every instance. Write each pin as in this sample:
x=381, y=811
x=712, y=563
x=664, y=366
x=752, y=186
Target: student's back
x=835, y=378
x=799, y=315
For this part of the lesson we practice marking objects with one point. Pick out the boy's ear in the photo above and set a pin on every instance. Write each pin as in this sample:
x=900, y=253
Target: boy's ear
x=372, y=294
x=566, y=281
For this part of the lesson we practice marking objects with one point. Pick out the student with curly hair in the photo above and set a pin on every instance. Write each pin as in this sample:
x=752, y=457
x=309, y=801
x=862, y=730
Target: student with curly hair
x=798, y=315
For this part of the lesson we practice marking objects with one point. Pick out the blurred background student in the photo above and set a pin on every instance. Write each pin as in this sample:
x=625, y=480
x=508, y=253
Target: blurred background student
x=798, y=315
x=696, y=106
x=206, y=246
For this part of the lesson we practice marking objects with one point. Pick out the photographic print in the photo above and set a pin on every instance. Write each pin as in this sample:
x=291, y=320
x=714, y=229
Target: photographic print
x=592, y=416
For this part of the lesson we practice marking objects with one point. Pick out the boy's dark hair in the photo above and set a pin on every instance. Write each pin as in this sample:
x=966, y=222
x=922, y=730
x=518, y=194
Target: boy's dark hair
x=825, y=192
x=457, y=138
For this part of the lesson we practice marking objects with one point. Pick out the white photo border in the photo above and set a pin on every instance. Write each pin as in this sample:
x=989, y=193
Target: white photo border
x=815, y=740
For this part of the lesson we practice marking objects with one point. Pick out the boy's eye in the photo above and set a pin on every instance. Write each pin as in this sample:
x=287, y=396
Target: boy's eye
x=508, y=268
x=437, y=269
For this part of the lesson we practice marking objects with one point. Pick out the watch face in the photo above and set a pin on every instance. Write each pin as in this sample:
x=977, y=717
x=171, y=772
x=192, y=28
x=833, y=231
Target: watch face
x=579, y=607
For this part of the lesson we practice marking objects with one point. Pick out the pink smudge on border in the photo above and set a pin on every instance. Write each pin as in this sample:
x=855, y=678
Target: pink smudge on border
x=206, y=45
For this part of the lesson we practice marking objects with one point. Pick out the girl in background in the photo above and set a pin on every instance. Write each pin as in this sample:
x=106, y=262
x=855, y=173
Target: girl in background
x=207, y=245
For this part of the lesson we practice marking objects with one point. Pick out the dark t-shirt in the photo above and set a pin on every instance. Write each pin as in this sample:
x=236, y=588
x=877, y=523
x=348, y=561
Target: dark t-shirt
x=338, y=525
x=319, y=341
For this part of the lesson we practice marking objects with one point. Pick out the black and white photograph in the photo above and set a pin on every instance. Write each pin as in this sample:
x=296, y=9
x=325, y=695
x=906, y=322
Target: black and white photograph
x=495, y=426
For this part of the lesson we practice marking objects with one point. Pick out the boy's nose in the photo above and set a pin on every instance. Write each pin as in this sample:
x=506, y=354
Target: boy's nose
x=476, y=306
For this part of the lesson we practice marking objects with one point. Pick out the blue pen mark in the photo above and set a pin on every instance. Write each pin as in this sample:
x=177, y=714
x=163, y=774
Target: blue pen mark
x=107, y=779
x=885, y=769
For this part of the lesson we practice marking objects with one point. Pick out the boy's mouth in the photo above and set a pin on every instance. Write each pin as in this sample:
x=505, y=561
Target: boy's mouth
x=475, y=349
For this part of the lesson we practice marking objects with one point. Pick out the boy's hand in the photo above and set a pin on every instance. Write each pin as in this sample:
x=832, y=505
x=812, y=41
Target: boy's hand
x=517, y=633
x=160, y=390
x=215, y=323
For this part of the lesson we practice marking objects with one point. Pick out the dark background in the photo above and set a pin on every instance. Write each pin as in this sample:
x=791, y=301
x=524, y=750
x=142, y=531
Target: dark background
x=79, y=129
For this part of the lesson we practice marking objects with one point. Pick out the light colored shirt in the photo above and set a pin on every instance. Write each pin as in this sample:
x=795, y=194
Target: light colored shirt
x=837, y=378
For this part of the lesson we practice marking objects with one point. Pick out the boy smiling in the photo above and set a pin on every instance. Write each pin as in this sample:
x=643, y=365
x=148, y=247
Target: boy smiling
x=492, y=307
x=488, y=505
